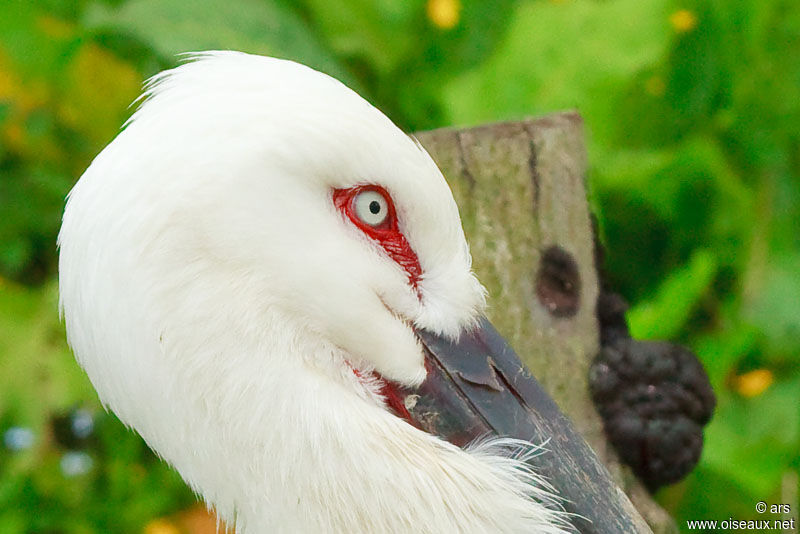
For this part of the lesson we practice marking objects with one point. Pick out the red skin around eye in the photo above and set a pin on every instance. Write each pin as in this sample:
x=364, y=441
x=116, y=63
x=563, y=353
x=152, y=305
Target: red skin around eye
x=387, y=234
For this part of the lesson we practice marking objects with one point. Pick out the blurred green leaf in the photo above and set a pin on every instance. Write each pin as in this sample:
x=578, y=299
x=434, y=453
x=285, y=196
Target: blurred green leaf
x=760, y=436
x=666, y=313
x=776, y=310
x=721, y=350
x=37, y=42
x=256, y=26
x=377, y=32
x=561, y=55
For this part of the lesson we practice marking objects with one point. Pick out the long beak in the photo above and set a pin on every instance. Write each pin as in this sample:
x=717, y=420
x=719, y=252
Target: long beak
x=479, y=386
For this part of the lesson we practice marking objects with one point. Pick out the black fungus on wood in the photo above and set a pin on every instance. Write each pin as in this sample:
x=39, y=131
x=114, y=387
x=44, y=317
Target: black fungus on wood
x=654, y=398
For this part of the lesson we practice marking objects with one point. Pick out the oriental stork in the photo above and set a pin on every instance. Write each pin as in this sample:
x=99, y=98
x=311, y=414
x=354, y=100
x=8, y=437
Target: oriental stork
x=243, y=275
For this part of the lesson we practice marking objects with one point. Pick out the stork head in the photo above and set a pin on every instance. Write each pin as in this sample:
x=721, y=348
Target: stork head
x=253, y=203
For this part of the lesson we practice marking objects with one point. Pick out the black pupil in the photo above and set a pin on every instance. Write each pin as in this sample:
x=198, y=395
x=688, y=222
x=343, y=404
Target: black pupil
x=374, y=207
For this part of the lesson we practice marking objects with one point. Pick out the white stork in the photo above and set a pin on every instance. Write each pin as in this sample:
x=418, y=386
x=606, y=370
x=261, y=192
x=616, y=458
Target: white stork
x=241, y=272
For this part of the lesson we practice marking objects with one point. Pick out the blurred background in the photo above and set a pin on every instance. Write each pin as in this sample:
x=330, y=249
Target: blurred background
x=692, y=112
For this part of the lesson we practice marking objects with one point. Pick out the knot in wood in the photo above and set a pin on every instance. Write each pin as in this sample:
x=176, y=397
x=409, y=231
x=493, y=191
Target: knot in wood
x=558, y=283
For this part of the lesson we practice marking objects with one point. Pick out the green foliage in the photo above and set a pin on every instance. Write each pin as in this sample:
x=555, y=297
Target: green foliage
x=692, y=110
x=666, y=314
x=259, y=26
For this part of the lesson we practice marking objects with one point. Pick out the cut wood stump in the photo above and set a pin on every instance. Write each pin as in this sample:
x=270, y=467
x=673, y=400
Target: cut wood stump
x=521, y=191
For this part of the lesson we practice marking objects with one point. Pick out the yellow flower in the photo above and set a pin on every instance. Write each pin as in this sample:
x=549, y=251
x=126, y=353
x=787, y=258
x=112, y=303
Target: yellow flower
x=683, y=21
x=161, y=526
x=444, y=14
x=754, y=383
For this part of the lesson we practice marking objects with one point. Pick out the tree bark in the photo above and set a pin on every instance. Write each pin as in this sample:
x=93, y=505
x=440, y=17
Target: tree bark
x=520, y=188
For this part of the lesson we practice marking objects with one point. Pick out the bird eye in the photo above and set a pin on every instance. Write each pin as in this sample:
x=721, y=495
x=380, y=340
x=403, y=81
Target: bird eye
x=371, y=207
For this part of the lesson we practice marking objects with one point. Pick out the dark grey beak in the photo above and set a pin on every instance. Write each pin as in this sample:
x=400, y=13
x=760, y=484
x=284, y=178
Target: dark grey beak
x=479, y=387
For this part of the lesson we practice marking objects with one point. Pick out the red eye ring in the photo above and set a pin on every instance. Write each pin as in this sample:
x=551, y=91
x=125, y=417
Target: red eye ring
x=387, y=234
x=345, y=200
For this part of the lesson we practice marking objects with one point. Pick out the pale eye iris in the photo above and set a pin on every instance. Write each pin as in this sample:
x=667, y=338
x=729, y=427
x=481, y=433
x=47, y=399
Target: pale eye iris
x=371, y=207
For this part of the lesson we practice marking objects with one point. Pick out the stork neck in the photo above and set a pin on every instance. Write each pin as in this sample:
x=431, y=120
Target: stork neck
x=286, y=439
x=331, y=459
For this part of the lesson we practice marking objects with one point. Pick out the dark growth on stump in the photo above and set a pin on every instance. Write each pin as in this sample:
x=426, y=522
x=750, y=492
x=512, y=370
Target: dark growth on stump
x=654, y=397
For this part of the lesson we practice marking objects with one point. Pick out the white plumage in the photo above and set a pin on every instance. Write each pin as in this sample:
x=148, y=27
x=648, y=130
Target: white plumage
x=219, y=302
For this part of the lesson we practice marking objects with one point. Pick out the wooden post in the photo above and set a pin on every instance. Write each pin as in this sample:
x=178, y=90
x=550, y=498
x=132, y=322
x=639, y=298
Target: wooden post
x=520, y=188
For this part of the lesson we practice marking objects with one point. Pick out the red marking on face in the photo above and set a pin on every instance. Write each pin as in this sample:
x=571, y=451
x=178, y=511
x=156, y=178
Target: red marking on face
x=361, y=204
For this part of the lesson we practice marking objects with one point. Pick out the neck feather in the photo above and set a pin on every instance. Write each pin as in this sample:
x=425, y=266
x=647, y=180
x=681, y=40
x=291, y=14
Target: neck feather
x=326, y=456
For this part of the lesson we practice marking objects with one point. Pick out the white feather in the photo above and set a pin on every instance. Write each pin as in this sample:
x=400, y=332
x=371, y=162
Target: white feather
x=217, y=299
